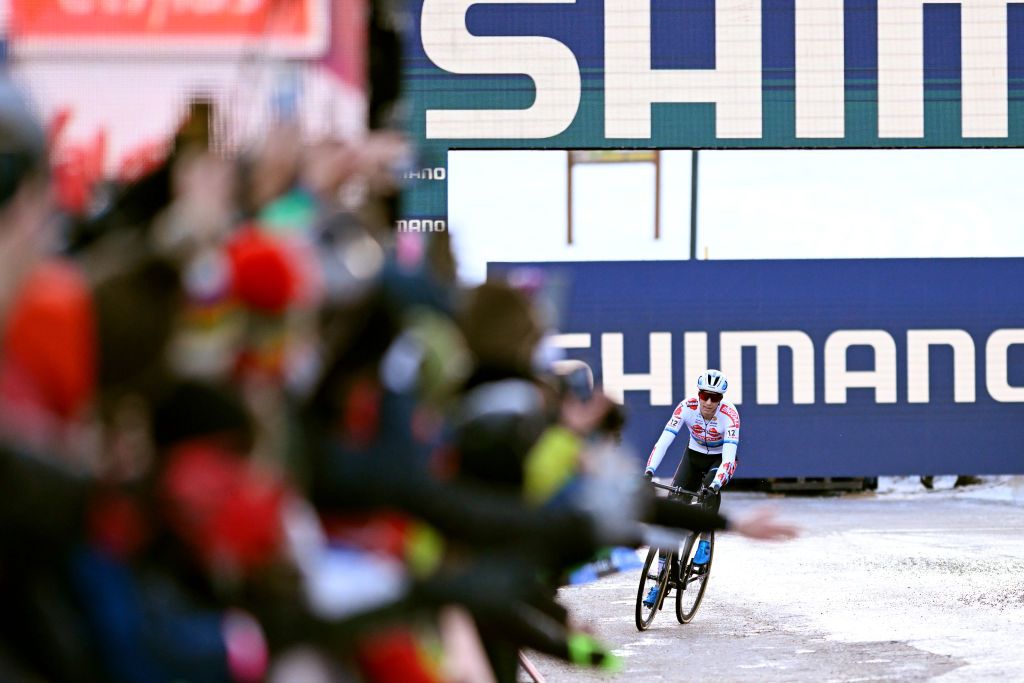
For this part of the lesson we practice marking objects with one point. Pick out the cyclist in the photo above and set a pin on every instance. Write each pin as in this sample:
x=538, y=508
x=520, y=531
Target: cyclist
x=710, y=458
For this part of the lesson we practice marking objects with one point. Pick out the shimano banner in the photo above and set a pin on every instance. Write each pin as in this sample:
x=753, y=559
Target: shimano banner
x=664, y=74
x=837, y=367
x=725, y=73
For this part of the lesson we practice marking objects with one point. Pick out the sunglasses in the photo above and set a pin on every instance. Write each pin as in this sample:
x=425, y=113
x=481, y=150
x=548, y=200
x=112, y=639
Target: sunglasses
x=706, y=396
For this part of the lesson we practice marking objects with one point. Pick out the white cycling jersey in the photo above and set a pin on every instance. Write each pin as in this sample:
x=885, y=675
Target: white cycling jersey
x=719, y=435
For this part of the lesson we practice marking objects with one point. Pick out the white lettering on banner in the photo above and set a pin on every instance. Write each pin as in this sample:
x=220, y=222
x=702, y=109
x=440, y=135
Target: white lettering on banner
x=552, y=66
x=768, y=345
x=734, y=85
x=571, y=341
x=566, y=366
x=997, y=367
x=632, y=86
x=695, y=360
x=422, y=225
x=918, y=370
x=438, y=173
x=658, y=381
x=820, y=90
x=984, y=93
x=579, y=340
x=838, y=378
x=158, y=11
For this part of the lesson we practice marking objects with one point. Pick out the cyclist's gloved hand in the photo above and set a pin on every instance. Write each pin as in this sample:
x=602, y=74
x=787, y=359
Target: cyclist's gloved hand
x=648, y=475
x=715, y=487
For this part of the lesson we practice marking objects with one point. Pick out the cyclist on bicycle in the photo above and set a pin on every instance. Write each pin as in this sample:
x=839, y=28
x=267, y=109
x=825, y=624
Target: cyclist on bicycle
x=710, y=458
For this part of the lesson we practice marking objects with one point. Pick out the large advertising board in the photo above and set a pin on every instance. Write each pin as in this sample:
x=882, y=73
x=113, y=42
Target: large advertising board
x=725, y=73
x=711, y=74
x=837, y=367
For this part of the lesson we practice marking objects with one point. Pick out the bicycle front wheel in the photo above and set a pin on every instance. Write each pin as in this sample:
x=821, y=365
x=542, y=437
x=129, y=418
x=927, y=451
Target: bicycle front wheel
x=650, y=578
x=693, y=579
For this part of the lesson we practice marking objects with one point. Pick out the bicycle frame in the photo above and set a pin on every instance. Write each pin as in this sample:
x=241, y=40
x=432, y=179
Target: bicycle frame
x=679, y=572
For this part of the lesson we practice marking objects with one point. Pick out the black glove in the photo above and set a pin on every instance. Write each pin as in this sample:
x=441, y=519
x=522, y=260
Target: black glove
x=648, y=475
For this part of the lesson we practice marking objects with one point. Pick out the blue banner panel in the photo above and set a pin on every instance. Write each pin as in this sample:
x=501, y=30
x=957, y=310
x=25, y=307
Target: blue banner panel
x=837, y=367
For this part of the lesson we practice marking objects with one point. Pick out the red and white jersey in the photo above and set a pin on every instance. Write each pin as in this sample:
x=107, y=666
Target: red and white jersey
x=718, y=435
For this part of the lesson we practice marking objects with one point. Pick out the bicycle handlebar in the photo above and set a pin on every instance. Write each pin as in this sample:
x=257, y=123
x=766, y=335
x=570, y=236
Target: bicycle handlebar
x=678, y=490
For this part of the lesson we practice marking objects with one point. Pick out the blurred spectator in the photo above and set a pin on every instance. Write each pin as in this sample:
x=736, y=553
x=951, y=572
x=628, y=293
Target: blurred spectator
x=43, y=495
x=24, y=191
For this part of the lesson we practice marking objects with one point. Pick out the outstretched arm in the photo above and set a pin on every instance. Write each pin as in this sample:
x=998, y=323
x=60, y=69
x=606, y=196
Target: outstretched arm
x=664, y=441
x=659, y=450
x=763, y=525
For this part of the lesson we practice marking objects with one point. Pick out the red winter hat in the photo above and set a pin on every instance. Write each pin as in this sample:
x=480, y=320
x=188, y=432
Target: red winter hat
x=222, y=506
x=49, y=341
x=263, y=271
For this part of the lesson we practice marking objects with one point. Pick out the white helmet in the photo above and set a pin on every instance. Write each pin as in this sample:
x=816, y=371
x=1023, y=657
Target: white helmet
x=713, y=381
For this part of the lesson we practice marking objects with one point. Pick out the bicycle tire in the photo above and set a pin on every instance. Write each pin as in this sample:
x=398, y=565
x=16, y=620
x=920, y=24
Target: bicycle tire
x=644, y=614
x=691, y=585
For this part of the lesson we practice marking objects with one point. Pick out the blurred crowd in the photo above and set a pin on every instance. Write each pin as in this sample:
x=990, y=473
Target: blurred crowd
x=249, y=432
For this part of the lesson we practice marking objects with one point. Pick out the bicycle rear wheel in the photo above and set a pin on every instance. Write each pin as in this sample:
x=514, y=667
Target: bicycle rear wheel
x=693, y=581
x=649, y=578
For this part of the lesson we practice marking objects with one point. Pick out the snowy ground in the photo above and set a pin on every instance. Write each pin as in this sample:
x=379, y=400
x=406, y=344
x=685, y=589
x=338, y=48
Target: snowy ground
x=903, y=584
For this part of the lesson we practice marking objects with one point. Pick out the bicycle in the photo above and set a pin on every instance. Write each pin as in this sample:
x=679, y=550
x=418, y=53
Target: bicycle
x=677, y=572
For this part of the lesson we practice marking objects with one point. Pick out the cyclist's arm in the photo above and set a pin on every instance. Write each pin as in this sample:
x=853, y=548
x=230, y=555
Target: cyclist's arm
x=665, y=440
x=728, y=466
x=732, y=442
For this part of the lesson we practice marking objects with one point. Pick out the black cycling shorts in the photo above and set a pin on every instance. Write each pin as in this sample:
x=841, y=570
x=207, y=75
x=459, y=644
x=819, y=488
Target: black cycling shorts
x=698, y=468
